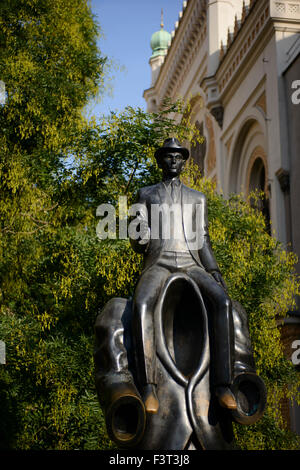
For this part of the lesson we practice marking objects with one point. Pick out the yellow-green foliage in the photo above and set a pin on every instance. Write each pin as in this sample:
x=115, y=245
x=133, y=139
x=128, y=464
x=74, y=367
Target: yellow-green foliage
x=50, y=65
x=55, y=169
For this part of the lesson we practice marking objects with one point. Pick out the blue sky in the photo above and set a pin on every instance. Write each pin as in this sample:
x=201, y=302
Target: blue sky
x=127, y=26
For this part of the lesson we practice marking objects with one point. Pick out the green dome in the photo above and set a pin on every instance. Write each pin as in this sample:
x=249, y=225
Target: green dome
x=160, y=42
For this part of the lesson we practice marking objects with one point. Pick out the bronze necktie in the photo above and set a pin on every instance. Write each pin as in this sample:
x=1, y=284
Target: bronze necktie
x=174, y=191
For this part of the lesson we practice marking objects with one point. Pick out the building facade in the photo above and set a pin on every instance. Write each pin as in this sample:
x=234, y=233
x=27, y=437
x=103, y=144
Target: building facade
x=237, y=62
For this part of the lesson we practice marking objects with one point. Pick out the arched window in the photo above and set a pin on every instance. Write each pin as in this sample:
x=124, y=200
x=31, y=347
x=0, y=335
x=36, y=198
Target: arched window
x=258, y=182
x=257, y=176
x=248, y=165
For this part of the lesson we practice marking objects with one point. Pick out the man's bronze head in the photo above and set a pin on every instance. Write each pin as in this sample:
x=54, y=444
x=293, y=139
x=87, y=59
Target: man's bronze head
x=171, y=157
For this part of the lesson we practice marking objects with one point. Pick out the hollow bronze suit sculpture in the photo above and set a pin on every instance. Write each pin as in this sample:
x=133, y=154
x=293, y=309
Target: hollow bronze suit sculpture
x=174, y=364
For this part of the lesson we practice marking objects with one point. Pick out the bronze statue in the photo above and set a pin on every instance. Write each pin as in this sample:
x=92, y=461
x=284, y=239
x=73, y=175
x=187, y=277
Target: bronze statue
x=174, y=365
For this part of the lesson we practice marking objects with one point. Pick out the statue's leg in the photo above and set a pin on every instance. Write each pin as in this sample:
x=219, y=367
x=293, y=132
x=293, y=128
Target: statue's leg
x=145, y=297
x=222, y=326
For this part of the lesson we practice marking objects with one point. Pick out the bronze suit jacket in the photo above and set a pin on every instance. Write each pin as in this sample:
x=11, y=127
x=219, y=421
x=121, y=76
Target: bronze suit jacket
x=193, y=205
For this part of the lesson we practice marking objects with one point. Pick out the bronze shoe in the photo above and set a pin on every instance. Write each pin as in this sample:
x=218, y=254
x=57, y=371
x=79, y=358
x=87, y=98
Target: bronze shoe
x=226, y=398
x=150, y=399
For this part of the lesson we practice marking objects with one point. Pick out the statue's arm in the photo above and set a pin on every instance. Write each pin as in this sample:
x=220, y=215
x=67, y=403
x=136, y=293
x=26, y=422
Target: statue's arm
x=139, y=235
x=206, y=254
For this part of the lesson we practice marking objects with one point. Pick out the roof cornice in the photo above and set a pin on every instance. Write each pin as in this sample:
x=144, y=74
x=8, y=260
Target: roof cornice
x=250, y=34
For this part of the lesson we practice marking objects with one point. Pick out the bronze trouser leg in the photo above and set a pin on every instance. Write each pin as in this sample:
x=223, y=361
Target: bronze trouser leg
x=144, y=301
x=222, y=324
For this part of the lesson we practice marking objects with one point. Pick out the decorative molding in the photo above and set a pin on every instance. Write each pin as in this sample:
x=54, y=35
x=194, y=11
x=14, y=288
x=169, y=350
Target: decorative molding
x=283, y=177
x=218, y=114
x=185, y=51
x=213, y=103
x=228, y=144
x=261, y=103
x=222, y=51
x=245, y=11
x=238, y=24
x=245, y=45
x=285, y=9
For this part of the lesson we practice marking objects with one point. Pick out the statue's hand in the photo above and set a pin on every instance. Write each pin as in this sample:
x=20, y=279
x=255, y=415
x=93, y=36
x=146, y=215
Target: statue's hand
x=144, y=232
x=219, y=279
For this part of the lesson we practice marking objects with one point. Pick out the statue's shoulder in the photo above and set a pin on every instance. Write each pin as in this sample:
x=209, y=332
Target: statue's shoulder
x=148, y=190
x=194, y=194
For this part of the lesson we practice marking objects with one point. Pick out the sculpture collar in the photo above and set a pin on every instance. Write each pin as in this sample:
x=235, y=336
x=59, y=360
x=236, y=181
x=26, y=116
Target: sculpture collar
x=174, y=181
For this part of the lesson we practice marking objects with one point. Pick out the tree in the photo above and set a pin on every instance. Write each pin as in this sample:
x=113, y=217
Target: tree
x=55, y=169
x=51, y=68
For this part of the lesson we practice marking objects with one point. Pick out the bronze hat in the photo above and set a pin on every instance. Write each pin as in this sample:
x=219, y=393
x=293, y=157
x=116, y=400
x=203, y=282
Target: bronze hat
x=171, y=145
